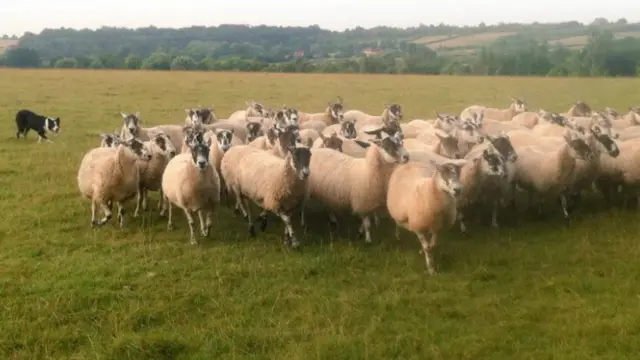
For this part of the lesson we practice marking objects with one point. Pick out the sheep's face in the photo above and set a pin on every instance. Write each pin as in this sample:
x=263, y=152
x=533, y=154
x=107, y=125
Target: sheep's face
x=109, y=140
x=200, y=155
x=395, y=112
x=604, y=138
x=468, y=131
x=579, y=145
x=205, y=115
x=192, y=115
x=224, y=138
x=392, y=149
x=138, y=148
x=448, y=177
x=518, y=105
x=256, y=109
x=337, y=112
x=449, y=145
x=493, y=163
x=502, y=144
x=581, y=109
x=348, y=129
x=280, y=120
x=272, y=135
x=292, y=116
x=299, y=158
x=635, y=110
x=253, y=130
x=131, y=122
x=446, y=121
x=332, y=142
x=290, y=136
x=163, y=142
x=193, y=135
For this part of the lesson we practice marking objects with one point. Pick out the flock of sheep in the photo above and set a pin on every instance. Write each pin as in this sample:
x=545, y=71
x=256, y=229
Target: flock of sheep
x=424, y=174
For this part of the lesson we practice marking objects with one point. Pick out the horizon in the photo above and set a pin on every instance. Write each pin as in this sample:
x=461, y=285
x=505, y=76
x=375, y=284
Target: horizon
x=34, y=16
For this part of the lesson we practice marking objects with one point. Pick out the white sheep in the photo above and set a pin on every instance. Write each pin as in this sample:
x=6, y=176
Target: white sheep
x=439, y=142
x=424, y=204
x=317, y=125
x=200, y=116
x=110, y=140
x=341, y=182
x=108, y=175
x=253, y=109
x=330, y=142
x=517, y=106
x=391, y=114
x=346, y=129
x=333, y=114
x=132, y=127
x=580, y=108
x=275, y=184
x=161, y=150
x=191, y=183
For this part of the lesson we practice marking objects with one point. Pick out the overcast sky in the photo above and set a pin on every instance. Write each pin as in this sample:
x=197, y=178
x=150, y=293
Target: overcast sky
x=16, y=17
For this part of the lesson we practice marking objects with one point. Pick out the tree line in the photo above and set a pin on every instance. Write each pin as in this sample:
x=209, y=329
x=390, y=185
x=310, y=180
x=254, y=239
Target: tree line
x=312, y=49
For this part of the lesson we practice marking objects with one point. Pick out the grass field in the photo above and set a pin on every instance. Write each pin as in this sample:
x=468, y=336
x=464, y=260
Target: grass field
x=530, y=290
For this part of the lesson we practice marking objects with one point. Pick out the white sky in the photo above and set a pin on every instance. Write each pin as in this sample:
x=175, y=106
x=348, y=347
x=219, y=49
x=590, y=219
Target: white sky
x=16, y=17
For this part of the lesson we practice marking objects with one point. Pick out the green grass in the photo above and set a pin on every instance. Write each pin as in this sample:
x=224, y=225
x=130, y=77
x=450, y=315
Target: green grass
x=531, y=290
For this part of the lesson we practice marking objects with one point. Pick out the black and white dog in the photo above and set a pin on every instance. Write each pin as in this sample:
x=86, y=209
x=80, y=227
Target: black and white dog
x=28, y=120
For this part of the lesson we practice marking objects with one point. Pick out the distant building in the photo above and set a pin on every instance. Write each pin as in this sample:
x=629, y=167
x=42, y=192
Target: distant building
x=298, y=53
x=372, y=52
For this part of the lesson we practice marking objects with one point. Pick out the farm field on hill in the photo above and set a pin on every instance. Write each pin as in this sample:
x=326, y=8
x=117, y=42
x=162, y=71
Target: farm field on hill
x=532, y=289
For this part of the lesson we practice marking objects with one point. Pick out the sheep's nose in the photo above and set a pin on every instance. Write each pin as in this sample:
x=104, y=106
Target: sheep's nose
x=481, y=139
x=202, y=163
x=405, y=158
x=172, y=153
x=457, y=190
x=305, y=173
x=514, y=158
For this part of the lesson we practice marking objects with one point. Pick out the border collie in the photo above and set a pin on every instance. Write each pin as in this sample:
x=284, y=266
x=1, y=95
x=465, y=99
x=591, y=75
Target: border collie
x=28, y=120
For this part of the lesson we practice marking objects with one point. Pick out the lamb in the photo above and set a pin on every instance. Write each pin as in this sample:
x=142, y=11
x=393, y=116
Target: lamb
x=162, y=150
x=346, y=129
x=423, y=204
x=391, y=114
x=517, y=106
x=191, y=183
x=549, y=172
x=275, y=184
x=334, y=114
x=339, y=181
x=578, y=109
x=108, y=175
x=253, y=109
x=530, y=119
x=329, y=142
x=441, y=143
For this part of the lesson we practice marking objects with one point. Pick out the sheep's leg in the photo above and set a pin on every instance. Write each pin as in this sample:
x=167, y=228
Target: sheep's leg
x=333, y=222
x=204, y=230
x=145, y=198
x=166, y=205
x=563, y=204
x=365, y=228
x=161, y=200
x=120, y=214
x=240, y=204
x=376, y=219
x=247, y=207
x=289, y=236
x=191, y=222
x=397, y=232
x=427, y=247
x=494, y=213
x=463, y=227
x=107, y=215
x=208, y=222
x=94, y=211
x=139, y=202
x=262, y=218
x=169, y=207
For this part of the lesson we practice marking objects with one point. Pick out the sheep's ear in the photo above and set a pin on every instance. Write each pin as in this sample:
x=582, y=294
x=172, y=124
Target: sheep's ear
x=441, y=134
x=137, y=114
x=441, y=116
x=103, y=135
x=123, y=114
x=365, y=144
x=232, y=131
x=188, y=111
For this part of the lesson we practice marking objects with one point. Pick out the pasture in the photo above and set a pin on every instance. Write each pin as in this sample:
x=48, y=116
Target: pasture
x=532, y=289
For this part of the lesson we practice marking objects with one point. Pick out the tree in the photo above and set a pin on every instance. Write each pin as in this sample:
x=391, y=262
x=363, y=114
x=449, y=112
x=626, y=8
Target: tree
x=132, y=62
x=22, y=58
x=183, y=62
x=66, y=63
x=157, y=61
x=96, y=63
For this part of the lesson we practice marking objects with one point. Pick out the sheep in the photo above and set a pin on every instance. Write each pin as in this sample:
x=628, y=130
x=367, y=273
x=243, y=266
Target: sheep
x=287, y=138
x=346, y=129
x=629, y=133
x=218, y=141
x=377, y=131
x=580, y=108
x=391, y=114
x=447, y=122
x=108, y=175
x=517, y=106
x=253, y=109
x=191, y=183
x=200, y=115
x=467, y=134
x=339, y=181
x=548, y=172
x=308, y=137
x=132, y=128
x=162, y=150
x=316, y=125
x=275, y=184
x=414, y=127
x=334, y=114
x=423, y=204
x=621, y=170
x=530, y=119
x=622, y=122
x=110, y=140
x=330, y=142
x=266, y=141
x=441, y=143
x=254, y=129
x=239, y=129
